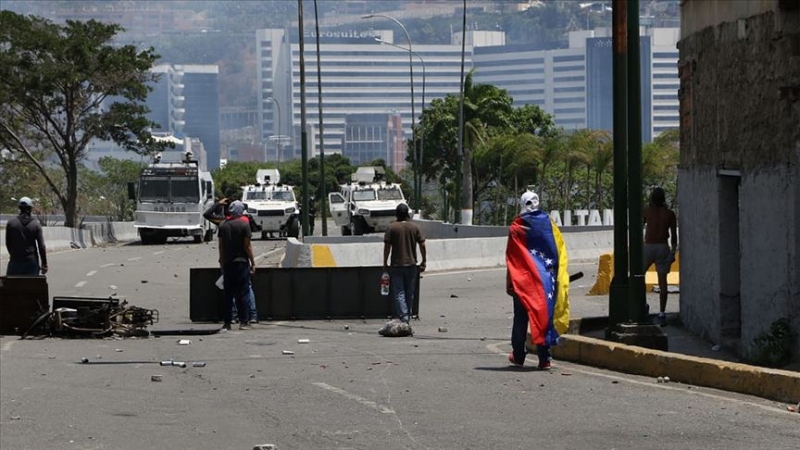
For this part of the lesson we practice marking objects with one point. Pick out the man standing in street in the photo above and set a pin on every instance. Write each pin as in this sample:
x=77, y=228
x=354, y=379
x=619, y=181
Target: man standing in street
x=660, y=226
x=237, y=263
x=401, y=240
x=25, y=243
x=537, y=281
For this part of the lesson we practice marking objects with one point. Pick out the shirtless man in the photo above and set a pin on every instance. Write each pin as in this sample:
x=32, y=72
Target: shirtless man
x=661, y=226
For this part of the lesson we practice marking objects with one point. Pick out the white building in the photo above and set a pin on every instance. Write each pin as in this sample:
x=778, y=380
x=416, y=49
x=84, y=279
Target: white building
x=366, y=74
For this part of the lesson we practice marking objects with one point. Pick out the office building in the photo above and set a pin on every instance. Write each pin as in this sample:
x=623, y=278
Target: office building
x=367, y=74
x=575, y=84
x=363, y=74
x=185, y=102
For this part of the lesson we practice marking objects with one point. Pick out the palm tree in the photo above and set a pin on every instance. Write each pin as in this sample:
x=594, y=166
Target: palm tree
x=485, y=106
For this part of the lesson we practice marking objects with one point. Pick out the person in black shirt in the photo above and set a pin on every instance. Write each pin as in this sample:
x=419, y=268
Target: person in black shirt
x=23, y=238
x=237, y=263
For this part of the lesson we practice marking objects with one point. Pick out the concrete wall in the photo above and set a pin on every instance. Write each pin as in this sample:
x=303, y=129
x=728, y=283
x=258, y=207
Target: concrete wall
x=739, y=182
x=443, y=254
x=62, y=238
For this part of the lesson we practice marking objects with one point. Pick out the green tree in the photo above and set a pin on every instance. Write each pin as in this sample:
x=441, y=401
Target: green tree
x=117, y=173
x=660, y=163
x=62, y=86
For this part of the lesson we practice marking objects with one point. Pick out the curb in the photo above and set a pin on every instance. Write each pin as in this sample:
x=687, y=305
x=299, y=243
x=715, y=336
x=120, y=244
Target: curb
x=773, y=384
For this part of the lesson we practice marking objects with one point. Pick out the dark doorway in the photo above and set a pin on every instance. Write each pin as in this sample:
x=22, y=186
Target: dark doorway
x=730, y=307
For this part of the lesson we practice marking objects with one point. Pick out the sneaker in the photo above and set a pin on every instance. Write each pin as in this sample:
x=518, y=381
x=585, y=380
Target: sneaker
x=226, y=326
x=545, y=365
x=513, y=361
x=245, y=326
x=662, y=319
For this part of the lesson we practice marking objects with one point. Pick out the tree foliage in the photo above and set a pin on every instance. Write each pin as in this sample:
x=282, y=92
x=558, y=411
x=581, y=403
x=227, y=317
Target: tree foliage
x=61, y=86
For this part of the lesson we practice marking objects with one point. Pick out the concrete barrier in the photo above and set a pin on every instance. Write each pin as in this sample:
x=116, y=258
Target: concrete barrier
x=124, y=231
x=58, y=239
x=605, y=272
x=443, y=254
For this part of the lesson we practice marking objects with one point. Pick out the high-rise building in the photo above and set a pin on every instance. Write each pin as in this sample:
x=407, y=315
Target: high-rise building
x=368, y=74
x=363, y=74
x=575, y=84
x=185, y=102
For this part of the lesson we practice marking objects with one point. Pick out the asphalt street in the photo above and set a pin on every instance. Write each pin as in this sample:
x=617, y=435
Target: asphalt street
x=448, y=387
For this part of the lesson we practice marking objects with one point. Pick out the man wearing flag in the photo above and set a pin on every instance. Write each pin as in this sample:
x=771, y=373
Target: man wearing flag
x=537, y=280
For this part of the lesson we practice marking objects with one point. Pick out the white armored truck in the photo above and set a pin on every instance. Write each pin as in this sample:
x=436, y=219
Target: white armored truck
x=171, y=201
x=272, y=205
x=367, y=203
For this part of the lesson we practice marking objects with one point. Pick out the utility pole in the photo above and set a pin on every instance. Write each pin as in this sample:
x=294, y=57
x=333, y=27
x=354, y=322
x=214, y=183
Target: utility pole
x=322, y=191
x=303, y=132
x=637, y=302
x=618, y=291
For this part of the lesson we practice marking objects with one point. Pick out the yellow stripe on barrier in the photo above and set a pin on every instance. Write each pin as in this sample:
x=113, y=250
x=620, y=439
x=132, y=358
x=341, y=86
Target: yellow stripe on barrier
x=605, y=272
x=673, y=277
x=321, y=256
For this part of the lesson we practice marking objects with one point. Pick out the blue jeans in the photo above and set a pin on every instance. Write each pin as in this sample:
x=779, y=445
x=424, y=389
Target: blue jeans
x=519, y=335
x=403, y=281
x=251, y=301
x=237, y=287
x=23, y=267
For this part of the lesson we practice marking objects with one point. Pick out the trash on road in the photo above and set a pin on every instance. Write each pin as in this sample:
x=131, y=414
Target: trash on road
x=265, y=447
x=288, y=352
x=166, y=363
x=179, y=364
x=303, y=341
x=442, y=330
x=184, y=342
x=198, y=364
x=155, y=378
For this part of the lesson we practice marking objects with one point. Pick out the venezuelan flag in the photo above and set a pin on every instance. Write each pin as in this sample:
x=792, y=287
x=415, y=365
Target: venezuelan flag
x=536, y=257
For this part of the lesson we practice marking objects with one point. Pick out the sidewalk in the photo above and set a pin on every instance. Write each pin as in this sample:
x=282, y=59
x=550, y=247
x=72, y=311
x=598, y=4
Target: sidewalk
x=690, y=359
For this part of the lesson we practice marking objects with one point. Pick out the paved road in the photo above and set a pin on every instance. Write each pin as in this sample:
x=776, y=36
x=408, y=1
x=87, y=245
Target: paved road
x=348, y=388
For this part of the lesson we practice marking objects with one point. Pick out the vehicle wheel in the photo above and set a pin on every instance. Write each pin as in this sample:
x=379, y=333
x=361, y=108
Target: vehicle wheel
x=357, y=225
x=345, y=231
x=146, y=239
x=264, y=235
x=293, y=230
x=209, y=235
x=198, y=238
x=160, y=239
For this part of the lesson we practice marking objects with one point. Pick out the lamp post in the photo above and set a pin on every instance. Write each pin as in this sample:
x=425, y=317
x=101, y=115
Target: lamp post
x=278, y=141
x=411, y=72
x=419, y=158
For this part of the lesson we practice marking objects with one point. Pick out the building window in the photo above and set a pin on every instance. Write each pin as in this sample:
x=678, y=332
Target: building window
x=568, y=100
x=569, y=110
x=569, y=89
x=567, y=58
x=567, y=68
x=568, y=79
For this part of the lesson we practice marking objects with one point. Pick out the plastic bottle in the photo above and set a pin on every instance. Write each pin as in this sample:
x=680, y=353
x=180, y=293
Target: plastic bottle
x=385, y=283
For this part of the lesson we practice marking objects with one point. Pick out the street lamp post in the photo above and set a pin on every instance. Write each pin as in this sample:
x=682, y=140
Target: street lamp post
x=419, y=158
x=411, y=72
x=278, y=141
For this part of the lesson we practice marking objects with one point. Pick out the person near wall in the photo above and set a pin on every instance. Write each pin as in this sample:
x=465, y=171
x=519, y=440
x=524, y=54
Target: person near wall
x=661, y=226
x=25, y=242
x=400, y=241
x=237, y=263
x=537, y=280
